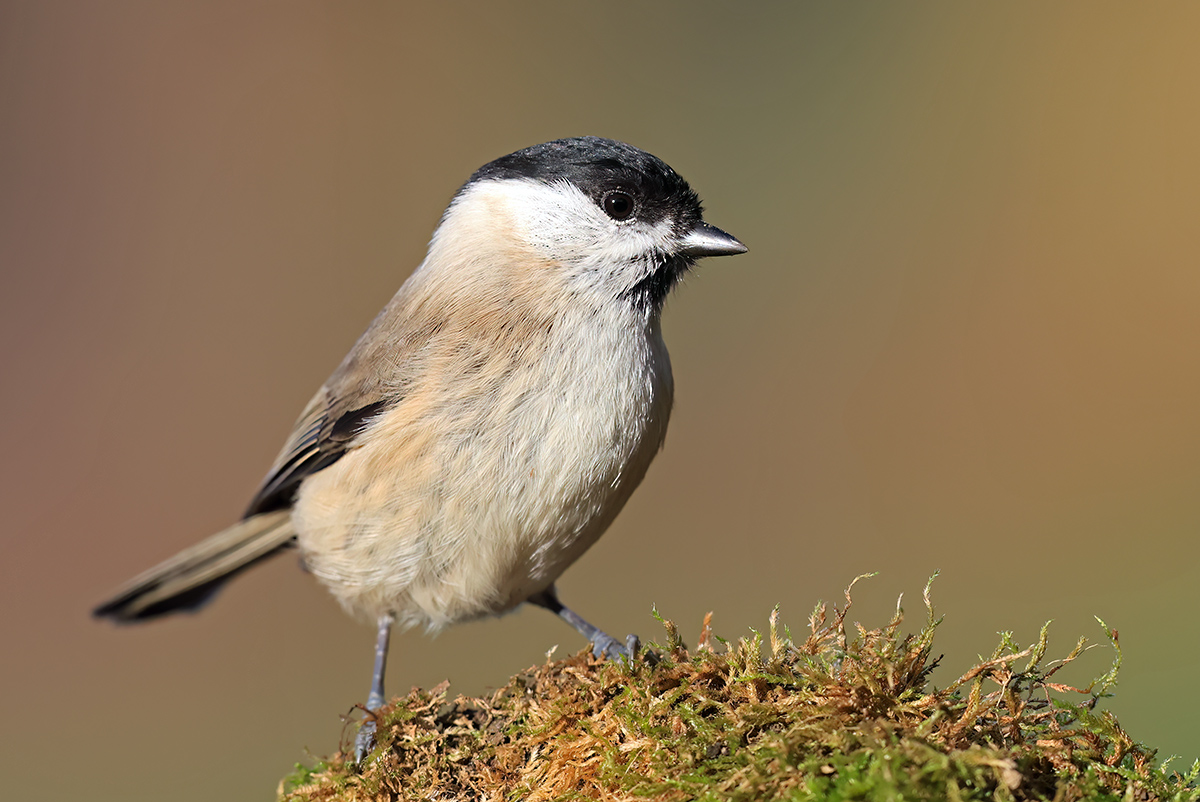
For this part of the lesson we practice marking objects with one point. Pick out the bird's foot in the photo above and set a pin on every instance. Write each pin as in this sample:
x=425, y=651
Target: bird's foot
x=607, y=646
x=364, y=742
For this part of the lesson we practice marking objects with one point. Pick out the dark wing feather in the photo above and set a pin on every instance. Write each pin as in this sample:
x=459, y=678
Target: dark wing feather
x=320, y=437
x=370, y=380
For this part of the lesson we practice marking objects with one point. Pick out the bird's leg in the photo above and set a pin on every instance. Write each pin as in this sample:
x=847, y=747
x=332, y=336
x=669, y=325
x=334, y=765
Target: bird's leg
x=365, y=741
x=603, y=644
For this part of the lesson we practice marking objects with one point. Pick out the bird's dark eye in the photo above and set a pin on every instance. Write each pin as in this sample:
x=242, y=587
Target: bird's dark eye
x=618, y=205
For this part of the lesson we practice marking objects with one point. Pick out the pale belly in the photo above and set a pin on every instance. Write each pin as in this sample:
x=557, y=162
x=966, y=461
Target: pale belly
x=450, y=512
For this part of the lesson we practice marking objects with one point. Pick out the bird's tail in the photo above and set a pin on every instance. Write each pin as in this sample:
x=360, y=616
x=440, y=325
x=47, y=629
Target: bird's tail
x=190, y=578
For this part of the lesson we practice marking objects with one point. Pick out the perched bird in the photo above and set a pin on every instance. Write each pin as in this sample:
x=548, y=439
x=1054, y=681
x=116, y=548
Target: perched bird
x=495, y=416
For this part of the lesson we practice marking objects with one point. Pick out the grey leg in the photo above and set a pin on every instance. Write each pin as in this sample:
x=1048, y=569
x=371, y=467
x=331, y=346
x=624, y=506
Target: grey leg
x=603, y=644
x=365, y=741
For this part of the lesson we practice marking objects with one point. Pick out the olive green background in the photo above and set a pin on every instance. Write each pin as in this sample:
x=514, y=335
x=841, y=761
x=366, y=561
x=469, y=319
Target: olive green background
x=964, y=338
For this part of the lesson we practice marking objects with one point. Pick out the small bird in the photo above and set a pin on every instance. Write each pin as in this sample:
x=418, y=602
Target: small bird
x=493, y=419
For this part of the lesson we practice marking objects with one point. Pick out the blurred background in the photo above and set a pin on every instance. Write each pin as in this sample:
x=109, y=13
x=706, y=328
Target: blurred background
x=964, y=338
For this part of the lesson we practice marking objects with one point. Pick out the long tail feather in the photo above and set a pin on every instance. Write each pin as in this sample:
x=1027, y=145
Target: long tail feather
x=189, y=579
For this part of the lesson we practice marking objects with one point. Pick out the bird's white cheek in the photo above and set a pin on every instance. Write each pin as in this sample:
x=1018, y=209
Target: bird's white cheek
x=619, y=260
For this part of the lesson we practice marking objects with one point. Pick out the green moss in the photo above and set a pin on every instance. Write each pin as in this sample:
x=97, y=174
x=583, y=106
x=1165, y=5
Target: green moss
x=840, y=715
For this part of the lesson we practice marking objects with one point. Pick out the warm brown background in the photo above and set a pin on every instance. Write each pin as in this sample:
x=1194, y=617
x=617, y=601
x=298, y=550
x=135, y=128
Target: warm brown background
x=965, y=337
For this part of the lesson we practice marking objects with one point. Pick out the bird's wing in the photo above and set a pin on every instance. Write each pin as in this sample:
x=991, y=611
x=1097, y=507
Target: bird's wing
x=325, y=431
x=373, y=377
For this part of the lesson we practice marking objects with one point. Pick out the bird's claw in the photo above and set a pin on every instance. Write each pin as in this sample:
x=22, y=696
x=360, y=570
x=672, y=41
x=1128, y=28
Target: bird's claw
x=364, y=742
x=610, y=648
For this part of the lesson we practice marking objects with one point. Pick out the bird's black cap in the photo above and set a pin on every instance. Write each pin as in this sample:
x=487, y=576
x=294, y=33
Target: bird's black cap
x=598, y=166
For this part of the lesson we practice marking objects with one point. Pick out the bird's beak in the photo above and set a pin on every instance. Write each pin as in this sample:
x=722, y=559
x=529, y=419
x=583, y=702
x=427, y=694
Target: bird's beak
x=706, y=240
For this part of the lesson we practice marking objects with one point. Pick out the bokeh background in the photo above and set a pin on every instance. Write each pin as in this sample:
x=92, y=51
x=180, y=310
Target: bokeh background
x=964, y=338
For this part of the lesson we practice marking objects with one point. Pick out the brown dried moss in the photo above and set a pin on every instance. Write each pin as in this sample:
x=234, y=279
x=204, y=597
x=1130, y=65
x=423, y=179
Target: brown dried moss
x=837, y=716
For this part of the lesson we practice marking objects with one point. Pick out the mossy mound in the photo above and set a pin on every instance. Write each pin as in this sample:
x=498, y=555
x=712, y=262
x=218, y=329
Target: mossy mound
x=836, y=716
